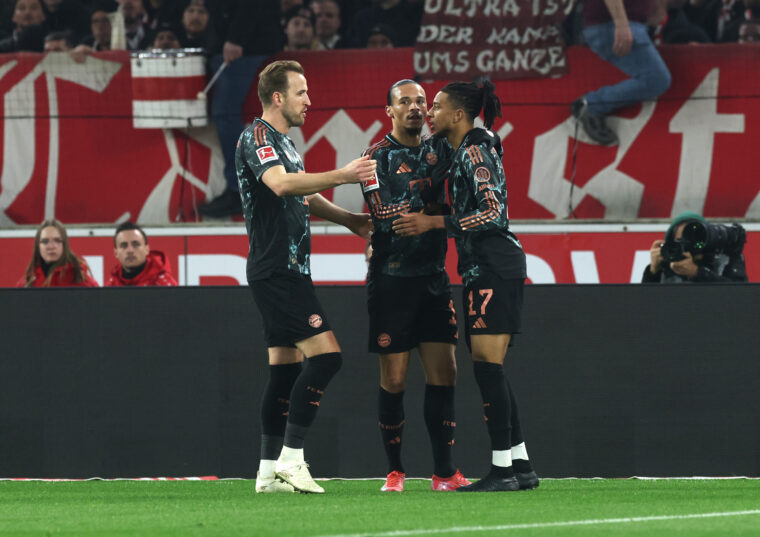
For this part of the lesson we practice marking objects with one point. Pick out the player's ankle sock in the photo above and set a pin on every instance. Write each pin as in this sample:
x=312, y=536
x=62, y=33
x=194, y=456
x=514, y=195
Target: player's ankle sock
x=520, y=461
x=290, y=456
x=496, y=406
x=266, y=468
x=390, y=407
x=439, y=419
x=271, y=446
x=276, y=400
x=306, y=394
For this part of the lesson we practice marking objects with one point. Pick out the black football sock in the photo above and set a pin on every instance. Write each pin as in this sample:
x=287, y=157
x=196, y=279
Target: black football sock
x=520, y=461
x=274, y=407
x=390, y=409
x=306, y=395
x=439, y=419
x=501, y=471
x=496, y=408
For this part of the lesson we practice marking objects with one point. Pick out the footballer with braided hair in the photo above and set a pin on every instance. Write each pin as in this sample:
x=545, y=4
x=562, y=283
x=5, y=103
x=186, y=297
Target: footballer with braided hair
x=492, y=266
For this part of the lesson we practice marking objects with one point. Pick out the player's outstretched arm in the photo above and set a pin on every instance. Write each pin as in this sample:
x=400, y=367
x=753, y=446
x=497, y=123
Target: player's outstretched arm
x=283, y=183
x=359, y=223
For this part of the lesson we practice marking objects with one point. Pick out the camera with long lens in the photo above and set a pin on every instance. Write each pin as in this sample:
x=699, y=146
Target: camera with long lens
x=673, y=250
x=700, y=237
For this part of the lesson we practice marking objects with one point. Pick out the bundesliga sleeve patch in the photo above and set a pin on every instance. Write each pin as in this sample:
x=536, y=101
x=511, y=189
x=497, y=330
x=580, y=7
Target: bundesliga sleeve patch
x=372, y=184
x=266, y=154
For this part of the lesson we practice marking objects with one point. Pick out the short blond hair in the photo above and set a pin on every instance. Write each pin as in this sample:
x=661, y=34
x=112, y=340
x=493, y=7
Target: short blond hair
x=274, y=78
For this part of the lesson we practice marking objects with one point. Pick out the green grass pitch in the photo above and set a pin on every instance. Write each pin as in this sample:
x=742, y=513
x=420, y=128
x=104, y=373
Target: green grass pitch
x=567, y=508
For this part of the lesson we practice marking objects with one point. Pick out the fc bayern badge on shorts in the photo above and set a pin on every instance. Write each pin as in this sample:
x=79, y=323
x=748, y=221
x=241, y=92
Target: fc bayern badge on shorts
x=315, y=321
x=432, y=159
x=383, y=340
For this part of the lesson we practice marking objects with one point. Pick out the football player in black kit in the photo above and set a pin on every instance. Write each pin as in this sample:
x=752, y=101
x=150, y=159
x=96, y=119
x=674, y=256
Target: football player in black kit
x=492, y=266
x=277, y=197
x=409, y=298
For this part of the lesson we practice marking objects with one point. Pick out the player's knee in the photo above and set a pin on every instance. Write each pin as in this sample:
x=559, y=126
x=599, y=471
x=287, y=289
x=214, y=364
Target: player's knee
x=393, y=383
x=328, y=364
x=478, y=356
x=445, y=374
x=449, y=374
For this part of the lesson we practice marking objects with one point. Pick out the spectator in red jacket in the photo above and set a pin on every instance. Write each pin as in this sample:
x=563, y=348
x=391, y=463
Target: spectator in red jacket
x=53, y=263
x=138, y=265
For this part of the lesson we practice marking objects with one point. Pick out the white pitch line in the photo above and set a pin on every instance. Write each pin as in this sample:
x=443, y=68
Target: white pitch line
x=589, y=522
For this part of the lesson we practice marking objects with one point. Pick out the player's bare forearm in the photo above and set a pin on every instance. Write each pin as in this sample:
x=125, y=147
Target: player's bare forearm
x=300, y=184
x=321, y=207
x=359, y=223
x=411, y=224
x=304, y=184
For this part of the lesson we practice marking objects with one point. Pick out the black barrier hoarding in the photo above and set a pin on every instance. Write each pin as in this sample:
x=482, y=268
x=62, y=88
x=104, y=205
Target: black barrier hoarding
x=613, y=380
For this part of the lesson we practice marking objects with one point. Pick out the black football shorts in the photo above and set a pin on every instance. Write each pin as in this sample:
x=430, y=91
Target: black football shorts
x=289, y=308
x=407, y=311
x=492, y=305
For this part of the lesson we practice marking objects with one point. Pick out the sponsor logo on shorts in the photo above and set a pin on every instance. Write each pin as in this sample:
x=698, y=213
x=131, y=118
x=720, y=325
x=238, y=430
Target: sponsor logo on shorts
x=266, y=154
x=432, y=159
x=482, y=174
x=383, y=340
x=479, y=323
x=315, y=321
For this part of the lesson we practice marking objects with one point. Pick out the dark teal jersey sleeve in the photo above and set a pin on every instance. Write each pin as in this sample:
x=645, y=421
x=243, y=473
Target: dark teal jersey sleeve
x=258, y=151
x=483, y=176
x=382, y=204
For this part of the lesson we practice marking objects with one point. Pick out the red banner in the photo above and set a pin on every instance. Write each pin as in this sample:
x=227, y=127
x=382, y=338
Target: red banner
x=503, y=39
x=69, y=148
x=556, y=253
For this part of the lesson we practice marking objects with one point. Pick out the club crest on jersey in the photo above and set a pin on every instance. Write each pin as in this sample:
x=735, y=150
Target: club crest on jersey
x=372, y=184
x=431, y=159
x=266, y=154
x=482, y=174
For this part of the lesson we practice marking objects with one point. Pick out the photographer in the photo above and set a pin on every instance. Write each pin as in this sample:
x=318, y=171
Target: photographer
x=695, y=251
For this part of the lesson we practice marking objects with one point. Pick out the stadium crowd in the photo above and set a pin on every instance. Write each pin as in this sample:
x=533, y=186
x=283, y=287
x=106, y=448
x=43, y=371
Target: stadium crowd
x=55, y=25
x=242, y=33
x=26, y=25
